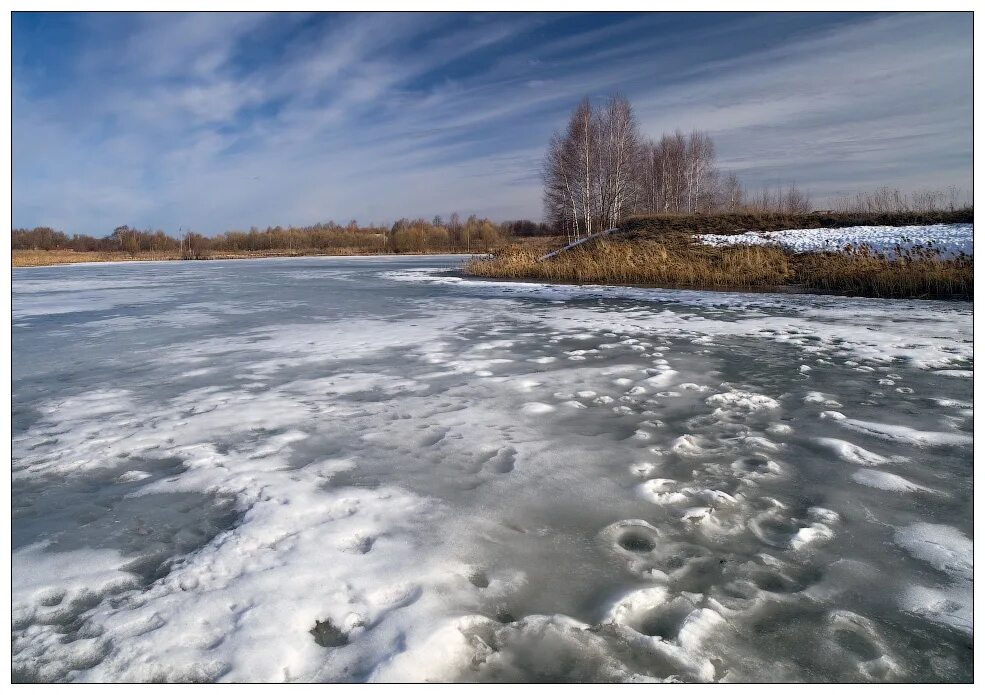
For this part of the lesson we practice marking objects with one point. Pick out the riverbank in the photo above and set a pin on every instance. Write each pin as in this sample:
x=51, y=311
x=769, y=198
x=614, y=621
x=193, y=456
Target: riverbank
x=645, y=255
x=37, y=258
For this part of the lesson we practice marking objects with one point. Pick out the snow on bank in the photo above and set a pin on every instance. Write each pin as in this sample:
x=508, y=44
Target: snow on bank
x=952, y=238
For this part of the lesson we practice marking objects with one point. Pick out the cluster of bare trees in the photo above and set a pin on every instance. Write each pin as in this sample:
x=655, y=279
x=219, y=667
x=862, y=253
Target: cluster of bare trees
x=600, y=170
x=122, y=239
x=892, y=200
x=677, y=174
x=405, y=235
x=590, y=169
x=38, y=238
x=419, y=236
x=525, y=228
x=790, y=200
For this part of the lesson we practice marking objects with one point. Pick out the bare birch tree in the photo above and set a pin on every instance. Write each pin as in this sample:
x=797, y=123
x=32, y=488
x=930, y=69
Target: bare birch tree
x=732, y=193
x=571, y=173
x=699, y=158
x=560, y=197
x=599, y=170
x=620, y=144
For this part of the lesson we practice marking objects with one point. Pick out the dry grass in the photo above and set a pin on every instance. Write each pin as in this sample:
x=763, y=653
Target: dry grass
x=675, y=260
x=23, y=258
x=672, y=260
x=920, y=271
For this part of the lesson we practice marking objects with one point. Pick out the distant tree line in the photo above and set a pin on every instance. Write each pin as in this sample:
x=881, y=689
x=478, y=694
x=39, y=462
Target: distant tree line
x=892, y=200
x=122, y=239
x=404, y=236
x=601, y=170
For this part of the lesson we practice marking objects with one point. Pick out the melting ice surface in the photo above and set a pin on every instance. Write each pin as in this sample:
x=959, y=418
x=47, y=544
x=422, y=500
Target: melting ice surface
x=358, y=469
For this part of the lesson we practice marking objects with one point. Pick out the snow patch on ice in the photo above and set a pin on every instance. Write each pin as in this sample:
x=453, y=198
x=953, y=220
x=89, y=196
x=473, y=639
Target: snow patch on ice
x=887, y=481
x=948, y=550
x=907, y=435
x=852, y=453
x=943, y=547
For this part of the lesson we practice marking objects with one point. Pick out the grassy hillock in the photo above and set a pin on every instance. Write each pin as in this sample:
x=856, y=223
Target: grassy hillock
x=647, y=255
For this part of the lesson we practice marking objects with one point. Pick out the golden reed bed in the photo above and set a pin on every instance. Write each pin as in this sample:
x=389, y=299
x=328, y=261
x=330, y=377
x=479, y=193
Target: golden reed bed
x=676, y=260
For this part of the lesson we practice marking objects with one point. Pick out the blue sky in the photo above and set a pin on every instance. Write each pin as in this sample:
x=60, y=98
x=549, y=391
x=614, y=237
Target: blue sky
x=222, y=121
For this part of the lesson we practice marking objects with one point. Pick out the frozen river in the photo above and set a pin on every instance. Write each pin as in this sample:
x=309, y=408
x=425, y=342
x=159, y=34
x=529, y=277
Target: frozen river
x=326, y=469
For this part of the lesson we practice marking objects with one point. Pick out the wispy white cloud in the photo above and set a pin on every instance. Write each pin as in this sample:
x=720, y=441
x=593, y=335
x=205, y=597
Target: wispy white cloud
x=218, y=121
x=883, y=102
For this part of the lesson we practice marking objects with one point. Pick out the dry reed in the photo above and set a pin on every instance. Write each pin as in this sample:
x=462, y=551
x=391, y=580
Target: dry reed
x=676, y=260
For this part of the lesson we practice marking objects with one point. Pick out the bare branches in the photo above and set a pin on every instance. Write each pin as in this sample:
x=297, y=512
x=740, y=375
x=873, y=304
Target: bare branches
x=677, y=174
x=600, y=170
x=893, y=200
x=591, y=171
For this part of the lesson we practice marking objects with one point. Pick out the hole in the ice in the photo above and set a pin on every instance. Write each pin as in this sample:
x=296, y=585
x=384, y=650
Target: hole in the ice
x=786, y=584
x=479, y=579
x=856, y=644
x=779, y=528
x=666, y=621
x=754, y=464
x=636, y=542
x=504, y=615
x=328, y=635
x=364, y=544
x=53, y=598
x=776, y=531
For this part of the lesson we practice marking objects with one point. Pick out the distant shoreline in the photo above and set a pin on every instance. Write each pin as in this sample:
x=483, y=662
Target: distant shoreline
x=44, y=259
